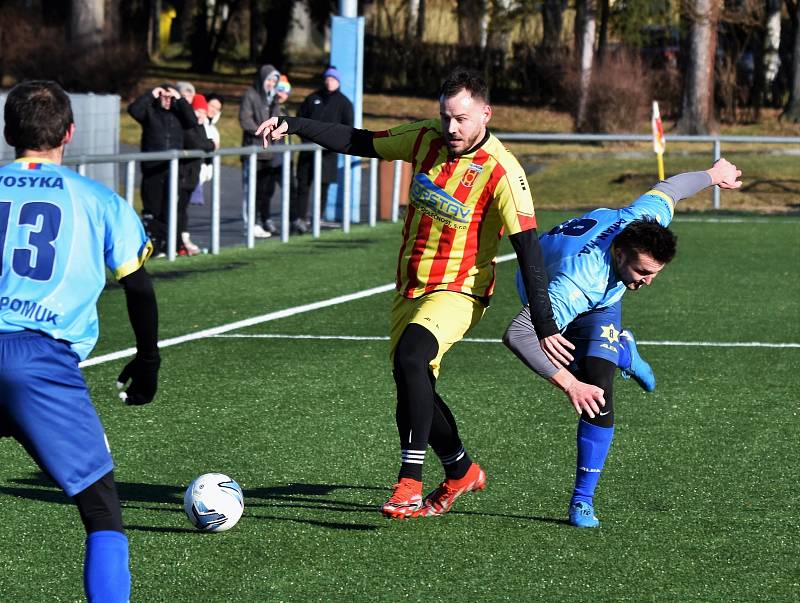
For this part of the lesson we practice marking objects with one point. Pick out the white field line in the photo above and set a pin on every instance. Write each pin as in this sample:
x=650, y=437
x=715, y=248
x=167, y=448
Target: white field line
x=256, y=320
x=708, y=344
x=240, y=324
x=733, y=220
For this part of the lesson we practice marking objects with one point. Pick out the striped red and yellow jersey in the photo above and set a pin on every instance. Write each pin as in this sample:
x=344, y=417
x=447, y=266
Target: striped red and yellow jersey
x=458, y=209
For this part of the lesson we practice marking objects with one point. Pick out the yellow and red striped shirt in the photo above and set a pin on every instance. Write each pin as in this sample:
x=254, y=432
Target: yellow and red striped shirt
x=458, y=210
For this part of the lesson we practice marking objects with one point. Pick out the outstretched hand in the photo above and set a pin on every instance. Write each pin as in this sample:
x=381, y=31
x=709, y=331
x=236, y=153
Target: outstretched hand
x=556, y=348
x=270, y=130
x=725, y=174
x=143, y=375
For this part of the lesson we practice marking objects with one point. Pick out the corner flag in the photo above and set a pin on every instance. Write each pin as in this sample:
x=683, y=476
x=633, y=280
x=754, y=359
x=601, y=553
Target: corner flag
x=658, y=139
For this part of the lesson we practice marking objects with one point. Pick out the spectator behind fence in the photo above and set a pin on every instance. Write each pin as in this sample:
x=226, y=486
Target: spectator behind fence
x=330, y=105
x=259, y=103
x=194, y=138
x=213, y=114
x=274, y=166
x=186, y=90
x=163, y=115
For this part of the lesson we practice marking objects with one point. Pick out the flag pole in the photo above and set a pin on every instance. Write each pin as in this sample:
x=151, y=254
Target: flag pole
x=658, y=139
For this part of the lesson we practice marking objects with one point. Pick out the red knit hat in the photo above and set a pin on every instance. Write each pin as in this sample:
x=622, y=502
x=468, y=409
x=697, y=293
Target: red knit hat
x=199, y=103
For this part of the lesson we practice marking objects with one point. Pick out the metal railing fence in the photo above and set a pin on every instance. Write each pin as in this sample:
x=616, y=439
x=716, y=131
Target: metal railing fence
x=251, y=153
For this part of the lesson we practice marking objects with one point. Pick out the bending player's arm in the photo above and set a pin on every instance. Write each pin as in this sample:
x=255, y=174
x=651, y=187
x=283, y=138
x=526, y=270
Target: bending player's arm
x=682, y=186
x=334, y=137
x=534, y=276
x=521, y=338
x=142, y=371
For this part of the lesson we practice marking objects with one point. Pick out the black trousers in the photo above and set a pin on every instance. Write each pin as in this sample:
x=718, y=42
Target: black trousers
x=302, y=189
x=268, y=177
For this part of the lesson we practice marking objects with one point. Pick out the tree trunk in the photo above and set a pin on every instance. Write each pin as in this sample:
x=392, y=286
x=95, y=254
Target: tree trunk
x=772, y=41
x=277, y=21
x=698, y=91
x=473, y=22
x=86, y=24
x=552, y=23
x=154, y=29
x=792, y=111
x=200, y=40
x=586, y=54
x=415, y=21
x=602, y=38
x=500, y=26
x=256, y=31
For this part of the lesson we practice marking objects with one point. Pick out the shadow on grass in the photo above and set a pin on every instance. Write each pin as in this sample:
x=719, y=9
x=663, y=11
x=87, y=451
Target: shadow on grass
x=313, y=497
x=261, y=503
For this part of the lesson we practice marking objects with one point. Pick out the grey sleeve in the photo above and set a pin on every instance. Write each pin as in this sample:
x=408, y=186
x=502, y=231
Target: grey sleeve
x=520, y=337
x=683, y=186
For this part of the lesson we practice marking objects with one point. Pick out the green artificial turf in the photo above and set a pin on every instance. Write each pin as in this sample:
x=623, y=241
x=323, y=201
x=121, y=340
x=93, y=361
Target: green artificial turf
x=698, y=500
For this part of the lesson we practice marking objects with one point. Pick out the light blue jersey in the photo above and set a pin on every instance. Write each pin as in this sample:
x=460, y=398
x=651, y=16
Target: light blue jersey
x=58, y=232
x=577, y=255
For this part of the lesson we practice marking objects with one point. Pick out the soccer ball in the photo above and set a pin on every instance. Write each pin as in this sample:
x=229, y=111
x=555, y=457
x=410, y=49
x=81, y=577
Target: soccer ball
x=213, y=502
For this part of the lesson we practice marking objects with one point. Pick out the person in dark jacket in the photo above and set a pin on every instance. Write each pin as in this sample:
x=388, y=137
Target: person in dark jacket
x=259, y=103
x=330, y=105
x=163, y=115
x=194, y=138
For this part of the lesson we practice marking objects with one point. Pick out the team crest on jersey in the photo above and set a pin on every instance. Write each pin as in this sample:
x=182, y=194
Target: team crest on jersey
x=610, y=333
x=473, y=171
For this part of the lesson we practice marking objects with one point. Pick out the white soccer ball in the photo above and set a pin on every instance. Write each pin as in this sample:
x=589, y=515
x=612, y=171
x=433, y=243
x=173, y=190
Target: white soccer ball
x=213, y=502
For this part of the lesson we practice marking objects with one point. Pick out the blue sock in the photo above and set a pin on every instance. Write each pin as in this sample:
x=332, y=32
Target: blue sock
x=593, y=445
x=106, y=576
x=624, y=357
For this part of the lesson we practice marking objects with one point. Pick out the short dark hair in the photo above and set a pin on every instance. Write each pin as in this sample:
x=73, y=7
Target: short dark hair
x=214, y=96
x=37, y=115
x=646, y=235
x=465, y=79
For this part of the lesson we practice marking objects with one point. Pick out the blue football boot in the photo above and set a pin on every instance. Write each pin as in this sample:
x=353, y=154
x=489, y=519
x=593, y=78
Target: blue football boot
x=581, y=515
x=639, y=369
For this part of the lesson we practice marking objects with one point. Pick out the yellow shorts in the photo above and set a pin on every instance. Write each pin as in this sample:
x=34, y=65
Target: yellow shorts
x=446, y=314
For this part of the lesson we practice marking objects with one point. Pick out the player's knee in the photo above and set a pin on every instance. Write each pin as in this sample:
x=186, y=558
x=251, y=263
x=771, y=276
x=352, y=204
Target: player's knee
x=415, y=350
x=99, y=506
x=600, y=372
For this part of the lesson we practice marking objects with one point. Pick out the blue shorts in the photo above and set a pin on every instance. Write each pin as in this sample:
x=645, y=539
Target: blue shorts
x=45, y=406
x=596, y=333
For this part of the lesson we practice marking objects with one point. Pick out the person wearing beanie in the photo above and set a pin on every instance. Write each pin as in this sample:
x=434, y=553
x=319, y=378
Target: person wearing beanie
x=259, y=102
x=283, y=87
x=199, y=104
x=327, y=104
x=332, y=72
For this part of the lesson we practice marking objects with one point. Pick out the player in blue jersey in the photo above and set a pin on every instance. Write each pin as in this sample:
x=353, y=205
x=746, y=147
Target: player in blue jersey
x=58, y=233
x=591, y=262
